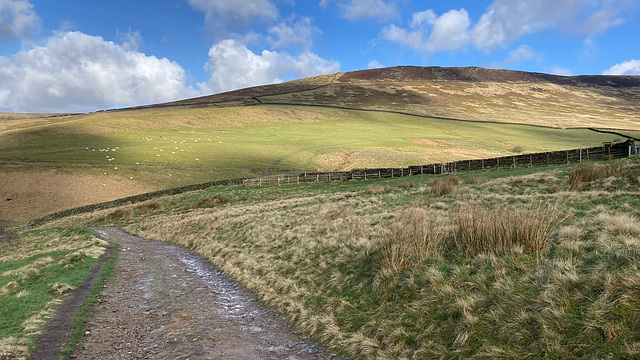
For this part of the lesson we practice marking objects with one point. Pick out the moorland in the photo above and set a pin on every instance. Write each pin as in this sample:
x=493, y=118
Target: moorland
x=532, y=262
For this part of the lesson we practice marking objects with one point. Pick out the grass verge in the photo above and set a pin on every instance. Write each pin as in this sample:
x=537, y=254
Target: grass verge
x=80, y=318
x=37, y=272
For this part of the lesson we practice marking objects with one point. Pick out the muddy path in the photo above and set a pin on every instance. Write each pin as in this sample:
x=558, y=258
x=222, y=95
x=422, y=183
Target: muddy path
x=165, y=302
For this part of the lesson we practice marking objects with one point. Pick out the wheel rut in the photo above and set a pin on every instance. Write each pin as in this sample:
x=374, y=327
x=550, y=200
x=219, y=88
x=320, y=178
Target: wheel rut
x=165, y=302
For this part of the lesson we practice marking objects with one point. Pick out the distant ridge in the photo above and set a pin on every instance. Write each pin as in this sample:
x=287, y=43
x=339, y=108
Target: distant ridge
x=408, y=74
x=478, y=74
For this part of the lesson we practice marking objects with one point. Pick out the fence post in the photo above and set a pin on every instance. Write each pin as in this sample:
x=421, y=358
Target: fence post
x=513, y=159
x=547, y=159
x=530, y=160
x=580, y=154
x=497, y=163
x=482, y=164
x=567, y=156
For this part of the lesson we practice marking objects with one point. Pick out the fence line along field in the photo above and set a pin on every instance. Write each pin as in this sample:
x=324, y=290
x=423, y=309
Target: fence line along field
x=607, y=151
x=127, y=152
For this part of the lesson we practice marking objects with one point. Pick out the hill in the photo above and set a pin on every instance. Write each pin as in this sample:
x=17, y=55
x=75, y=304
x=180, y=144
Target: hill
x=373, y=118
x=470, y=93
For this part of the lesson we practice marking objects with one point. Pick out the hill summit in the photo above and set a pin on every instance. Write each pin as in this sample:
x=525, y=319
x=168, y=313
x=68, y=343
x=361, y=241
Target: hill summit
x=456, y=93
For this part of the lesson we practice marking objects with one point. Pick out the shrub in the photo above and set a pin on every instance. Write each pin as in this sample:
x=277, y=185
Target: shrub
x=517, y=149
x=445, y=186
x=498, y=232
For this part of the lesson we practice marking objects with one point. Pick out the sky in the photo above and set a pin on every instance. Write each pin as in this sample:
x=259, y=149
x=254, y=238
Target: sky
x=88, y=55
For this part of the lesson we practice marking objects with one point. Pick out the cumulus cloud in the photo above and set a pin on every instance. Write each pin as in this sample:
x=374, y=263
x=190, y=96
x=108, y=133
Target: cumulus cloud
x=631, y=67
x=431, y=33
x=355, y=10
x=522, y=54
x=233, y=66
x=295, y=32
x=504, y=22
x=235, y=13
x=75, y=72
x=130, y=40
x=18, y=20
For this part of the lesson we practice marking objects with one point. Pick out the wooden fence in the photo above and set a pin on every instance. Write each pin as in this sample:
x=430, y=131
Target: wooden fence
x=607, y=151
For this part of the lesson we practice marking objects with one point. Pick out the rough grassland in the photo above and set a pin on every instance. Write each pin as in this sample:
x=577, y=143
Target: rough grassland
x=393, y=269
x=115, y=154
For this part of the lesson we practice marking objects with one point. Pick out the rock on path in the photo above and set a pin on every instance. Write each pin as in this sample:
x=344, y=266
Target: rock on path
x=165, y=302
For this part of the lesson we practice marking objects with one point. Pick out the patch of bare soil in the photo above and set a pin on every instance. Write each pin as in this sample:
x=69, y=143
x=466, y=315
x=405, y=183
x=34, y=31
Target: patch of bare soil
x=164, y=302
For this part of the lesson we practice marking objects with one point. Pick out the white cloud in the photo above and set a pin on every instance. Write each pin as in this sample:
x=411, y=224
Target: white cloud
x=631, y=67
x=355, y=10
x=18, y=20
x=131, y=40
x=295, y=32
x=234, y=66
x=374, y=64
x=558, y=70
x=221, y=13
x=522, y=54
x=74, y=72
x=504, y=22
x=431, y=33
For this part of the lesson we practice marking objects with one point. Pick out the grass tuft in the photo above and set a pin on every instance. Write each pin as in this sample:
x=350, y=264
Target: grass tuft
x=415, y=235
x=498, y=232
x=449, y=185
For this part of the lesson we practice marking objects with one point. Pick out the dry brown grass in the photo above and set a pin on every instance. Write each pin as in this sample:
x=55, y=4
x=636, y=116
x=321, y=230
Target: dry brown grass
x=415, y=235
x=120, y=214
x=148, y=207
x=498, y=232
x=588, y=172
x=449, y=185
x=9, y=288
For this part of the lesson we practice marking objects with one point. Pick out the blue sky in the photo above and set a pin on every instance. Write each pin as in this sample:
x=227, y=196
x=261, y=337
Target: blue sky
x=79, y=55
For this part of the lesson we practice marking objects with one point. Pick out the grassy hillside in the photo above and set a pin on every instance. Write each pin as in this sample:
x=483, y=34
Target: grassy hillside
x=81, y=159
x=525, y=263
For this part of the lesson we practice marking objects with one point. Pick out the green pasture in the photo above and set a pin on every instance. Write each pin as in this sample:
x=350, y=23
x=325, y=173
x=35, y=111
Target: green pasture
x=325, y=139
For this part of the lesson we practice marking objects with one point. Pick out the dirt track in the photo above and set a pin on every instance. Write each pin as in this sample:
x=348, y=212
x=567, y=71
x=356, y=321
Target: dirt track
x=165, y=302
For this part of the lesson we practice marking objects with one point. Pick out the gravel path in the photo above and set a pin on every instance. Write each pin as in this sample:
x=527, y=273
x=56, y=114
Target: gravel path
x=165, y=302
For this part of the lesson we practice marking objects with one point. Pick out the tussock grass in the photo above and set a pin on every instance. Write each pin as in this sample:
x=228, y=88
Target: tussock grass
x=588, y=172
x=506, y=269
x=415, y=235
x=449, y=185
x=500, y=231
